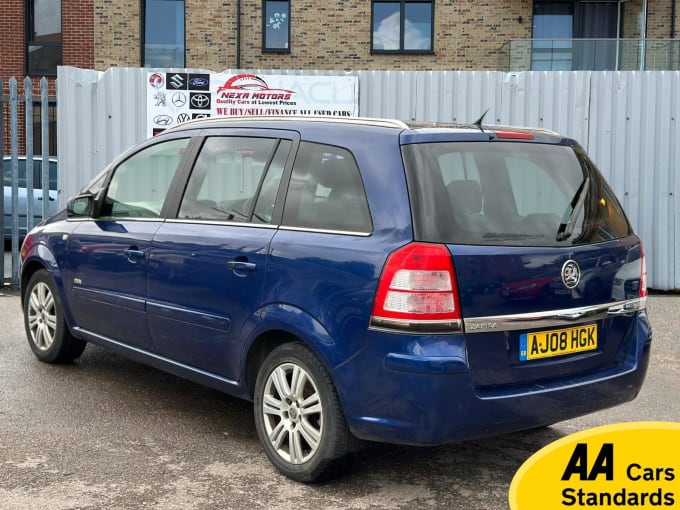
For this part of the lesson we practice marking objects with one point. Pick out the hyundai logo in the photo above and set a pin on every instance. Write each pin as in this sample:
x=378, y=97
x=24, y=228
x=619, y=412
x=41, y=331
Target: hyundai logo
x=200, y=100
x=571, y=274
x=198, y=82
x=162, y=120
x=179, y=99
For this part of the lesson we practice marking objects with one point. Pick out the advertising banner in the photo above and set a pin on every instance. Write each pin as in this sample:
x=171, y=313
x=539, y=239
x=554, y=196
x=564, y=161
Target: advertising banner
x=174, y=98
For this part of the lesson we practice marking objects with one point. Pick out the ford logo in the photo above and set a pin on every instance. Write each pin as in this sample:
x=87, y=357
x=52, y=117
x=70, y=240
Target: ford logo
x=198, y=82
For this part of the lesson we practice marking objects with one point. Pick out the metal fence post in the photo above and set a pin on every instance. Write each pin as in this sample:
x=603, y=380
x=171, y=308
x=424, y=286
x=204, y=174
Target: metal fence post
x=2, y=197
x=28, y=98
x=45, y=145
x=14, y=151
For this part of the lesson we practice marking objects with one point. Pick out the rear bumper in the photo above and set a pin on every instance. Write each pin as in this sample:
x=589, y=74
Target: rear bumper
x=425, y=399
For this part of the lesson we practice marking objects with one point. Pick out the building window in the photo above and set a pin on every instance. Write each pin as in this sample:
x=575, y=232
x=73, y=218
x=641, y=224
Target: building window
x=276, y=26
x=163, y=33
x=404, y=26
x=43, y=38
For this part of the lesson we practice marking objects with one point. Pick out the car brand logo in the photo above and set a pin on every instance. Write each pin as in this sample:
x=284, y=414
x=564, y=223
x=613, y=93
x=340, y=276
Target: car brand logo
x=571, y=274
x=159, y=98
x=162, y=120
x=183, y=117
x=156, y=80
x=200, y=101
x=198, y=82
x=177, y=81
x=200, y=115
x=179, y=99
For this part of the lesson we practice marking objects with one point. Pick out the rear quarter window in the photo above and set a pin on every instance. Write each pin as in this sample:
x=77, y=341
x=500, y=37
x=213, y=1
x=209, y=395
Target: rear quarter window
x=508, y=193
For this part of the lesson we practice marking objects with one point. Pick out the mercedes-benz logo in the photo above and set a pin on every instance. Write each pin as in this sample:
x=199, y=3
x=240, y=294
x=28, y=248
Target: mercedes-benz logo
x=571, y=274
x=179, y=99
x=200, y=100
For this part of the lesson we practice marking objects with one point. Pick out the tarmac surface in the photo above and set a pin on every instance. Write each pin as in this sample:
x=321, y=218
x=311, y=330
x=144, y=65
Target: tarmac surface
x=106, y=432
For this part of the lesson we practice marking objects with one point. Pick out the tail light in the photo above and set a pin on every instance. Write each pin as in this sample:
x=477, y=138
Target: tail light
x=643, y=275
x=418, y=291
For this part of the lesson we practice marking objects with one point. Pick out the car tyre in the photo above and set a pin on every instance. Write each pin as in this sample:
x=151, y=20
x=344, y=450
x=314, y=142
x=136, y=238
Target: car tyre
x=298, y=415
x=46, y=329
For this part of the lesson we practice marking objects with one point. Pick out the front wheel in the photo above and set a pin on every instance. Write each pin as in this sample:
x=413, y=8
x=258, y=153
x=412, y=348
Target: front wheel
x=298, y=415
x=46, y=329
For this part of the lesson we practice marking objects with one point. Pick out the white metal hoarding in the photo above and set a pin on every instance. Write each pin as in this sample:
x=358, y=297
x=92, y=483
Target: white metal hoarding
x=627, y=121
x=177, y=97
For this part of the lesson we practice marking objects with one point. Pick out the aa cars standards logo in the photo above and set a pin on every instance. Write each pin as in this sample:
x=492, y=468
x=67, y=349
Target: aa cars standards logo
x=627, y=465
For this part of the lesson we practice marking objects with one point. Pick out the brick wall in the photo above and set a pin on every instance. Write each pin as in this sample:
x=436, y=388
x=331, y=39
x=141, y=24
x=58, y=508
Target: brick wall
x=77, y=33
x=77, y=50
x=117, y=27
x=469, y=34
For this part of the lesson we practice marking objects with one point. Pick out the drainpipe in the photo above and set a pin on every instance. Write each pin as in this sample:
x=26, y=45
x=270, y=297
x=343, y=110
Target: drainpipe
x=673, y=11
x=238, y=34
x=643, y=47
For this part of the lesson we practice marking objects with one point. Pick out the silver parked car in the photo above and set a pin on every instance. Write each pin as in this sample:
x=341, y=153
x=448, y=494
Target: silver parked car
x=22, y=209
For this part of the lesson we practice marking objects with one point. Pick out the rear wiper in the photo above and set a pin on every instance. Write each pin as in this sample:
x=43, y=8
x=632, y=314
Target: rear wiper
x=566, y=228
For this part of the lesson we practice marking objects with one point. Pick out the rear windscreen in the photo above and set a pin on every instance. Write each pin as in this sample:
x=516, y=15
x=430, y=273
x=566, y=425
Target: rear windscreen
x=509, y=193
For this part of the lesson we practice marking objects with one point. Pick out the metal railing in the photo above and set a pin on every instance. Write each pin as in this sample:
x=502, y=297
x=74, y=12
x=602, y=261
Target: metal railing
x=590, y=55
x=18, y=201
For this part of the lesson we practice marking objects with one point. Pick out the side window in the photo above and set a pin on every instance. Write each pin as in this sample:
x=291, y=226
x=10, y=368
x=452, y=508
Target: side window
x=140, y=184
x=326, y=191
x=264, y=207
x=226, y=177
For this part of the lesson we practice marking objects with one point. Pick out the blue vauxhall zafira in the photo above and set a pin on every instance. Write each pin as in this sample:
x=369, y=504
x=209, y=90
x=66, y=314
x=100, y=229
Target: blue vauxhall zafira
x=411, y=283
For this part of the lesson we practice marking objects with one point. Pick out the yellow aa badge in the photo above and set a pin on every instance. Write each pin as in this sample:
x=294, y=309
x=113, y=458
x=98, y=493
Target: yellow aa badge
x=627, y=465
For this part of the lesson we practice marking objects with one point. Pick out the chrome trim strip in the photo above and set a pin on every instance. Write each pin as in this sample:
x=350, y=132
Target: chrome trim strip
x=198, y=221
x=414, y=326
x=323, y=231
x=552, y=318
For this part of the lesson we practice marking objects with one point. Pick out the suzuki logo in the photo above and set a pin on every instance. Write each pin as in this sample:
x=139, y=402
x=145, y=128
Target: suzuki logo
x=176, y=81
x=571, y=274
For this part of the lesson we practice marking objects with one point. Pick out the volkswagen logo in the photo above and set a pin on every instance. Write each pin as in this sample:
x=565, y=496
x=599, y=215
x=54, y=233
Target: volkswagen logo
x=179, y=99
x=200, y=100
x=183, y=117
x=162, y=120
x=571, y=274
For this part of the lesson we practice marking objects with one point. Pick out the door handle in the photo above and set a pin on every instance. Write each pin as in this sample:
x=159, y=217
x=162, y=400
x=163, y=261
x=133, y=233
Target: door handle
x=241, y=267
x=133, y=254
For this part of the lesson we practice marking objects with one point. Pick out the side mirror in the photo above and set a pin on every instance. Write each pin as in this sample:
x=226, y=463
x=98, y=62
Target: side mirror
x=80, y=206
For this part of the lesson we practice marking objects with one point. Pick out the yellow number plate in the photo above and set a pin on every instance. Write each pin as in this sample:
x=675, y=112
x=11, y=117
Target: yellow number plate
x=546, y=344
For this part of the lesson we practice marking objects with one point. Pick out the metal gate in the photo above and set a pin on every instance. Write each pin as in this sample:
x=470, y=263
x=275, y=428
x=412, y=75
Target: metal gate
x=29, y=179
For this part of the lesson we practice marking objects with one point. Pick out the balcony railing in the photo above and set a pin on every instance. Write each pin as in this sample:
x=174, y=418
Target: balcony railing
x=590, y=54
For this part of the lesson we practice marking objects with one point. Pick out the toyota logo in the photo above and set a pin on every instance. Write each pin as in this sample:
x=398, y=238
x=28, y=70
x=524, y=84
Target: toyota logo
x=571, y=274
x=162, y=120
x=200, y=100
x=179, y=99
